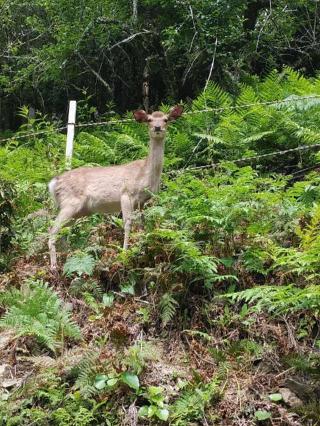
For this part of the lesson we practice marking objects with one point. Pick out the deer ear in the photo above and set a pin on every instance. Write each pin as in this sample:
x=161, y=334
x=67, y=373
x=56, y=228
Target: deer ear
x=140, y=115
x=175, y=112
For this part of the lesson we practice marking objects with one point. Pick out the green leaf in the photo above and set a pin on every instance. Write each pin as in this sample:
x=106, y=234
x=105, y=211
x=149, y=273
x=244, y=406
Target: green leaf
x=128, y=289
x=155, y=395
x=100, y=381
x=143, y=411
x=227, y=261
x=154, y=390
x=79, y=264
x=244, y=310
x=132, y=380
x=262, y=415
x=275, y=397
x=162, y=414
x=152, y=410
x=108, y=299
x=112, y=382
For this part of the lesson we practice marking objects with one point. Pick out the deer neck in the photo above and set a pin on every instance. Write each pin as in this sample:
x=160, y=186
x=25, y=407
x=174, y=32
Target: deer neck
x=155, y=163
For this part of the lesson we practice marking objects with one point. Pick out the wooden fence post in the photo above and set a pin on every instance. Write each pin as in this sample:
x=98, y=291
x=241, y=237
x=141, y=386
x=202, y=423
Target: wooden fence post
x=70, y=132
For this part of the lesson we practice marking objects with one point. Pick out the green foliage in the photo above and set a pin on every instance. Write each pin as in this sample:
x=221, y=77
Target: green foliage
x=280, y=299
x=79, y=264
x=83, y=417
x=112, y=146
x=108, y=299
x=168, y=307
x=36, y=310
x=35, y=158
x=262, y=415
x=86, y=372
x=90, y=380
x=156, y=408
x=191, y=405
x=243, y=235
x=107, y=382
x=49, y=400
x=81, y=286
x=7, y=195
x=139, y=355
x=131, y=380
x=96, y=51
x=275, y=397
x=102, y=381
x=303, y=259
x=254, y=127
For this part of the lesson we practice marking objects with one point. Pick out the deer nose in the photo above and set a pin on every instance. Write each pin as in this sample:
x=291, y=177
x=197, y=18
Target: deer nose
x=157, y=128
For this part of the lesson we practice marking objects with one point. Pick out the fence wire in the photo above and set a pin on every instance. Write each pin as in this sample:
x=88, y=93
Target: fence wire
x=245, y=159
x=201, y=111
x=207, y=110
x=32, y=134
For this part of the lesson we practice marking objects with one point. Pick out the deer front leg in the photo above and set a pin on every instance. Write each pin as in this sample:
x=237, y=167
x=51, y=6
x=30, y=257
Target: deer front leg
x=127, y=210
x=63, y=217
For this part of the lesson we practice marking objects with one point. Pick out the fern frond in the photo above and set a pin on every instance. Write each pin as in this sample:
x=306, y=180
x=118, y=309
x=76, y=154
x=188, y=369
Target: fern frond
x=86, y=371
x=298, y=103
x=168, y=307
x=210, y=138
x=279, y=299
x=192, y=403
x=42, y=361
x=296, y=82
x=257, y=137
x=271, y=89
x=36, y=310
x=212, y=97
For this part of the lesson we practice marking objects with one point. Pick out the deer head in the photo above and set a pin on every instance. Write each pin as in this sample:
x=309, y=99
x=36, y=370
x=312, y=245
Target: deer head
x=158, y=121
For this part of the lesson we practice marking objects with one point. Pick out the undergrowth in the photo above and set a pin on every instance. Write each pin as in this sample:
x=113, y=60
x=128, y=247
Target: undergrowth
x=216, y=303
x=36, y=310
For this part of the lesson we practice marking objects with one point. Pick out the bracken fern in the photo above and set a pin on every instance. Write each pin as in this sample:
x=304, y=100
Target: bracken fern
x=36, y=310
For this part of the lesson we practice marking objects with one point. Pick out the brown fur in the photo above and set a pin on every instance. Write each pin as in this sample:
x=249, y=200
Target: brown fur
x=88, y=190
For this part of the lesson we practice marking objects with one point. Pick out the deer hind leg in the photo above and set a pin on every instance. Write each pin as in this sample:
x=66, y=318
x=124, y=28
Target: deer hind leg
x=127, y=210
x=64, y=216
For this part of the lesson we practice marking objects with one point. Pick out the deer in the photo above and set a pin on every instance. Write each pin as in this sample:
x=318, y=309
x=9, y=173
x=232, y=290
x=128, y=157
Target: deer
x=87, y=190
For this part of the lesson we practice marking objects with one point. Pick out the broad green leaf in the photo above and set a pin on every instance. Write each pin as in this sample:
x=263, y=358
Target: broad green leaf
x=275, y=397
x=162, y=414
x=131, y=380
x=143, y=411
x=100, y=381
x=152, y=410
x=262, y=415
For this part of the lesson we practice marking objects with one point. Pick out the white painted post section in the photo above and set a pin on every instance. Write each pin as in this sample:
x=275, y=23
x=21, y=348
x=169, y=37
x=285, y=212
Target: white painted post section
x=70, y=132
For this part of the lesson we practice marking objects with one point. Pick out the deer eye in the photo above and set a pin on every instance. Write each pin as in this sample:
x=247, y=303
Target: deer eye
x=165, y=120
x=149, y=120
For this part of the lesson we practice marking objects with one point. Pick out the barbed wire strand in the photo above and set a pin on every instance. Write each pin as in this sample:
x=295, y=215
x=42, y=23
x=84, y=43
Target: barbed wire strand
x=230, y=107
x=31, y=134
x=206, y=166
x=130, y=120
x=245, y=159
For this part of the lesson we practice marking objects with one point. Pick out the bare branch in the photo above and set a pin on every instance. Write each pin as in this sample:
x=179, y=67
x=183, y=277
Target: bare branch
x=126, y=40
x=212, y=64
x=97, y=75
